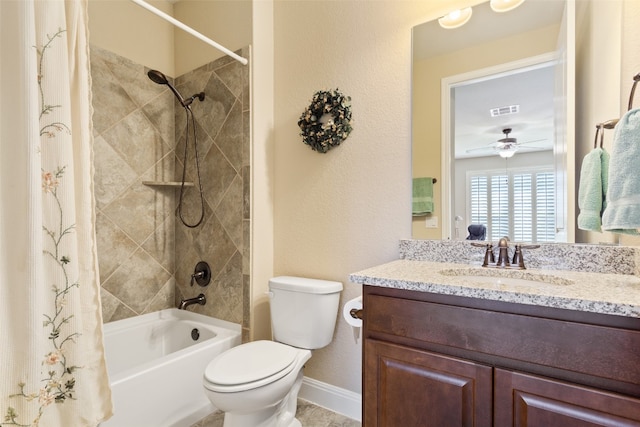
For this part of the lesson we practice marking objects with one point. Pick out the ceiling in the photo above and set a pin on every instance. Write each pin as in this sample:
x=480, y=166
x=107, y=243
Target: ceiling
x=429, y=39
x=475, y=131
x=532, y=89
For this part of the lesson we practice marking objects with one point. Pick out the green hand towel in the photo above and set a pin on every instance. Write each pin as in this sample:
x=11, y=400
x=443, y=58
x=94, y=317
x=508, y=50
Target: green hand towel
x=590, y=192
x=422, y=196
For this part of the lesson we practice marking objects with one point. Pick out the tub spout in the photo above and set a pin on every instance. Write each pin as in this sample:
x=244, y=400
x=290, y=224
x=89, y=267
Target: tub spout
x=200, y=299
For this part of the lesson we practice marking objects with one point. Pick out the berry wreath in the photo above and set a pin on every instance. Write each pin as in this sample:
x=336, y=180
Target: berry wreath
x=326, y=122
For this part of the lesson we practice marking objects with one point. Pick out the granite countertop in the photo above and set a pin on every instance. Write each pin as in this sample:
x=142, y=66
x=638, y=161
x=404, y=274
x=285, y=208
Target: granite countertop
x=614, y=294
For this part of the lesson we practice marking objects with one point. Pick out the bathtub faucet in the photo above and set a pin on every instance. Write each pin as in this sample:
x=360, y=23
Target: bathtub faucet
x=200, y=299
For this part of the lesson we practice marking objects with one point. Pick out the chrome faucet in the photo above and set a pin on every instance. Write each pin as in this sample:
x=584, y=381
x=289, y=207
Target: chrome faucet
x=503, y=255
x=200, y=299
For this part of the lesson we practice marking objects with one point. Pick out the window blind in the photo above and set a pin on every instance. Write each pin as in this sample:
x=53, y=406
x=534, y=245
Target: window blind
x=519, y=204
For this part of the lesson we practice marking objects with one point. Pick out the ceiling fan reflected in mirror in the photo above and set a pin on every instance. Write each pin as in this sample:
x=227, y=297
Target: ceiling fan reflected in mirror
x=506, y=147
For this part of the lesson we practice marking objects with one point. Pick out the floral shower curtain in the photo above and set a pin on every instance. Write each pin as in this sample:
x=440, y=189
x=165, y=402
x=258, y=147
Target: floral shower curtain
x=52, y=369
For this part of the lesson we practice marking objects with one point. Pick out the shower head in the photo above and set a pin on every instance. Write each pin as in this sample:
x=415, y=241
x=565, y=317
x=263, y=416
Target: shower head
x=159, y=78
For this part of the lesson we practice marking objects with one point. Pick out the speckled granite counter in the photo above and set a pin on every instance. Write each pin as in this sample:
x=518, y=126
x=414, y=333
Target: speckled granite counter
x=550, y=256
x=614, y=294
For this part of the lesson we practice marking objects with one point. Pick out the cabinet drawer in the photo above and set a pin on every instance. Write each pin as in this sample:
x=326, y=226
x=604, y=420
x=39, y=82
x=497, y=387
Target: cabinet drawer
x=604, y=352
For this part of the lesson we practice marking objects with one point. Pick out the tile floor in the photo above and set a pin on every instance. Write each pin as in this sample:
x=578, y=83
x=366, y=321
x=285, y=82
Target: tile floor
x=310, y=415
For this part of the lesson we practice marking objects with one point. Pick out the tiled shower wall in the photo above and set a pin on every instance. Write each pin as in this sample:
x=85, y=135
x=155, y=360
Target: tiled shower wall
x=146, y=255
x=222, y=240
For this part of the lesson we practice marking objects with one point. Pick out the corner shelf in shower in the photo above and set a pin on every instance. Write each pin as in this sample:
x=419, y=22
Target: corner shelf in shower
x=167, y=183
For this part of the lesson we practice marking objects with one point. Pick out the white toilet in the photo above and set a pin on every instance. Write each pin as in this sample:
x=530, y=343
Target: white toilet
x=256, y=384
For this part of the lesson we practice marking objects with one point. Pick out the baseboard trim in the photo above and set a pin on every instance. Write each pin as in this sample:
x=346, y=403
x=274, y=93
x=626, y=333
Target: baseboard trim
x=336, y=399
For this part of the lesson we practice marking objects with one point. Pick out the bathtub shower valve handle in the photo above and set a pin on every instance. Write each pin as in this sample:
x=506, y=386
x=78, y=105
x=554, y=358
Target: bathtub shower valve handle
x=196, y=276
x=202, y=274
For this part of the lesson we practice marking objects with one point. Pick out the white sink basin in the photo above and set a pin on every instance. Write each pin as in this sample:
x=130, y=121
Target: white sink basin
x=495, y=276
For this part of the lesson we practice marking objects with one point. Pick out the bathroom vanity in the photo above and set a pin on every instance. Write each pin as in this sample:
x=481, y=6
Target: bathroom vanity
x=549, y=348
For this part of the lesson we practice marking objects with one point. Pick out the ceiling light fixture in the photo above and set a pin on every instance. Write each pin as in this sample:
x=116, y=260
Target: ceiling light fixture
x=507, y=152
x=505, y=5
x=456, y=18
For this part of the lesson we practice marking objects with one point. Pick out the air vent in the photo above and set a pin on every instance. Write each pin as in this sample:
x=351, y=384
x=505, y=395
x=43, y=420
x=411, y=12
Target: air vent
x=503, y=111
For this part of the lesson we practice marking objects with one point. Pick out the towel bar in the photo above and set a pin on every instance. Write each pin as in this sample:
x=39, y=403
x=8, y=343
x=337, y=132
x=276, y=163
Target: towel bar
x=600, y=127
x=610, y=124
x=636, y=78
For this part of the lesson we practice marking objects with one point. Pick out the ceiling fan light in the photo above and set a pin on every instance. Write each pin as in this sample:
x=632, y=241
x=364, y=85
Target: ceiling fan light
x=505, y=5
x=456, y=18
x=507, y=153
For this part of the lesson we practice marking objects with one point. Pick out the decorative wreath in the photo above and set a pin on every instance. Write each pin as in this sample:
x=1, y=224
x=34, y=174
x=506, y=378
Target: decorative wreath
x=326, y=122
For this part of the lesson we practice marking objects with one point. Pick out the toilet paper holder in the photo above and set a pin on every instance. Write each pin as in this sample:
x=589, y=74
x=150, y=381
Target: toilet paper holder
x=356, y=313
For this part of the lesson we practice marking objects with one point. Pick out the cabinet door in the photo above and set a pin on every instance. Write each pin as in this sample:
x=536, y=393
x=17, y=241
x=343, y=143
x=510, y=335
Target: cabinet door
x=406, y=387
x=525, y=400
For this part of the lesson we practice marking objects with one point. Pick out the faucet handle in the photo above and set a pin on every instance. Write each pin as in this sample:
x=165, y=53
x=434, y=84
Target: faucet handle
x=517, y=255
x=195, y=276
x=489, y=256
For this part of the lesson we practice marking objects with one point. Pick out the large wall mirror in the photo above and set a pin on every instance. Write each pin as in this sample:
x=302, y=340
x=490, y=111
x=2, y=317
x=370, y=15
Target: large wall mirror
x=493, y=122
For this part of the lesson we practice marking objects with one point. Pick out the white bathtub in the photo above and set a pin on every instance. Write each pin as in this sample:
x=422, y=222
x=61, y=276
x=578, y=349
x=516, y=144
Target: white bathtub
x=155, y=367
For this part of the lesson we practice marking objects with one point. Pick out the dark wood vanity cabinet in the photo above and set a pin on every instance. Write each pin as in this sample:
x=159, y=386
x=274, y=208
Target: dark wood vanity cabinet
x=409, y=387
x=445, y=361
x=526, y=400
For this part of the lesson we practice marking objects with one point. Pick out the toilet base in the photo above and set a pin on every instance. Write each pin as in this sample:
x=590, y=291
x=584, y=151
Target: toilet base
x=264, y=418
x=256, y=420
x=281, y=415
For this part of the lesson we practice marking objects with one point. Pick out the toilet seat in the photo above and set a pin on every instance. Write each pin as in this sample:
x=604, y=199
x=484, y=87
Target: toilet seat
x=249, y=366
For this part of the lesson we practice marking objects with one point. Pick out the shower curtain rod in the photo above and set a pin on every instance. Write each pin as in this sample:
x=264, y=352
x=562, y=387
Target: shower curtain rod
x=189, y=30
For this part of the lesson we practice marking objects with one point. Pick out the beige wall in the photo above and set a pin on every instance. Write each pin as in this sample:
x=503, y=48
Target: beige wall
x=427, y=75
x=598, y=57
x=124, y=28
x=608, y=58
x=227, y=22
x=343, y=211
x=262, y=165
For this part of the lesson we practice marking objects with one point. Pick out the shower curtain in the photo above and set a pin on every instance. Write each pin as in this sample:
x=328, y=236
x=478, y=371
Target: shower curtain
x=52, y=369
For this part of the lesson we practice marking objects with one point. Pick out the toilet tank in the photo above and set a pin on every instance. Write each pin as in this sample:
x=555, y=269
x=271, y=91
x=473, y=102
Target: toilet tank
x=303, y=311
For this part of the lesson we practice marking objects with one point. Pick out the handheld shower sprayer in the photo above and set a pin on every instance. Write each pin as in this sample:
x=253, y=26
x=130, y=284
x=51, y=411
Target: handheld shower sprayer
x=159, y=78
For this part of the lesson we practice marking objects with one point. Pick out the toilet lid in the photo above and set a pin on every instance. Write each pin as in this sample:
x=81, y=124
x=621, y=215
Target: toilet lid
x=249, y=363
